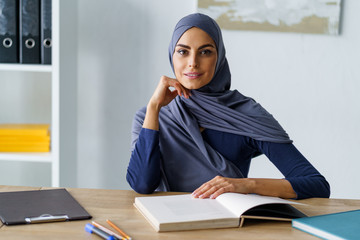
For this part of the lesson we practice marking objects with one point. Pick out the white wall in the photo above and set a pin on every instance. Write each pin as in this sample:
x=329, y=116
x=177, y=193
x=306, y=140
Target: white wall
x=121, y=56
x=310, y=83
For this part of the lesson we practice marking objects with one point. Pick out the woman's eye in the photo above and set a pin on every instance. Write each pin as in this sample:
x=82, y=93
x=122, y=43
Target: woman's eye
x=206, y=52
x=181, y=51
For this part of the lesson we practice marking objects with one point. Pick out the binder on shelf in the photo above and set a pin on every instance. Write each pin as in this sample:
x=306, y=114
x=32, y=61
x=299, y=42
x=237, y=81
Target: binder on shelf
x=29, y=31
x=9, y=31
x=46, y=40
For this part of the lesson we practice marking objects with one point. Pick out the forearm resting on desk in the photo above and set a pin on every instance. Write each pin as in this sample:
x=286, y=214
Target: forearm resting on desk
x=269, y=187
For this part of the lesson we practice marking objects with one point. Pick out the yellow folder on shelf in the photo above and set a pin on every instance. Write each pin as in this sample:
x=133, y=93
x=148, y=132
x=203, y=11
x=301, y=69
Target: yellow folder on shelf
x=24, y=129
x=24, y=138
x=24, y=144
x=24, y=149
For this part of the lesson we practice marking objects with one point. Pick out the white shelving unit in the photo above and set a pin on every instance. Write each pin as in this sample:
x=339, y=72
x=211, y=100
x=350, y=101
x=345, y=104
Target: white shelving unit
x=26, y=67
x=52, y=157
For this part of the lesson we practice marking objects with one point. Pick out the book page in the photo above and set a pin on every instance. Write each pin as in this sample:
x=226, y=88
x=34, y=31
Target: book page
x=239, y=203
x=183, y=208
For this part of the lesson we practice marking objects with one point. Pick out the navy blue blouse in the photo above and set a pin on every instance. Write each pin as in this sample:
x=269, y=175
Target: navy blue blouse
x=144, y=171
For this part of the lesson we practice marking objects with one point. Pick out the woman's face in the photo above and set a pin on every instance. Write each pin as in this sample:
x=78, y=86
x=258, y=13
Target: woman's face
x=195, y=58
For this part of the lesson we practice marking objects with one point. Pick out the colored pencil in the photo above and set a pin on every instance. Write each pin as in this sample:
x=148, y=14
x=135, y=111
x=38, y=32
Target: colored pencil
x=118, y=229
x=105, y=229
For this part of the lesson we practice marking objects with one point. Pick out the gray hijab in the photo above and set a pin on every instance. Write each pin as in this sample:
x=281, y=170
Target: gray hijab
x=187, y=160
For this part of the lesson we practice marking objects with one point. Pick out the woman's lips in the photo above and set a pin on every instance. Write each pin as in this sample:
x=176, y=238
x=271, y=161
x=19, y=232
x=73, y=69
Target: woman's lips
x=192, y=75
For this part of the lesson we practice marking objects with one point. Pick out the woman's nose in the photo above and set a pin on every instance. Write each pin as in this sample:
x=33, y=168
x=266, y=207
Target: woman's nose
x=193, y=61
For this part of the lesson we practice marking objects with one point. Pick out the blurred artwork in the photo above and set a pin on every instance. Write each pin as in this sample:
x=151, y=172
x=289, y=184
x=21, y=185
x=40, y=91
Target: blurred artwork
x=302, y=16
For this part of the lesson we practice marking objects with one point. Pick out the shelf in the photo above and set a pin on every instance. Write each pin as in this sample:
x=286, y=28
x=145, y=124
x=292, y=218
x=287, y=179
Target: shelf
x=26, y=157
x=26, y=67
x=51, y=72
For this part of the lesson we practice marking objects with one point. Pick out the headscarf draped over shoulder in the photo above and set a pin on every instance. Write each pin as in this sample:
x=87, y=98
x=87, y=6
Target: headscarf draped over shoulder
x=187, y=160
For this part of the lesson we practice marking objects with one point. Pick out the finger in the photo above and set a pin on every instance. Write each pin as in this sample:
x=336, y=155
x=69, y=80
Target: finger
x=199, y=191
x=187, y=93
x=206, y=186
x=218, y=186
x=219, y=192
x=209, y=192
x=177, y=87
x=171, y=95
x=184, y=91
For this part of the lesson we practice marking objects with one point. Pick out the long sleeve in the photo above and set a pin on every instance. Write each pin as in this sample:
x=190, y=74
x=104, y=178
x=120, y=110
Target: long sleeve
x=304, y=178
x=143, y=173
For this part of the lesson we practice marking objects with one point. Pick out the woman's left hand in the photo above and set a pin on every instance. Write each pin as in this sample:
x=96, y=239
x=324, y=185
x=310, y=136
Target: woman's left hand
x=262, y=186
x=219, y=185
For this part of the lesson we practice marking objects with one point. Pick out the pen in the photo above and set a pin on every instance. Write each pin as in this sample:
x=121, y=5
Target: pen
x=118, y=229
x=101, y=227
x=92, y=229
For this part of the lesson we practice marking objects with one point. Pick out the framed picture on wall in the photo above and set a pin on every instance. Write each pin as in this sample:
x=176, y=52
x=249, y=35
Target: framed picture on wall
x=302, y=16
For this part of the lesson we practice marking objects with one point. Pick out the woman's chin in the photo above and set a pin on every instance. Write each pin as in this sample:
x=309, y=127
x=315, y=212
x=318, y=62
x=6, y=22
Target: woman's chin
x=193, y=86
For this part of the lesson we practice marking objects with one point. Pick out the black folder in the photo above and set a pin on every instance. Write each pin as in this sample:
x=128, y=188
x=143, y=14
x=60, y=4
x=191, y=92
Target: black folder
x=9, y=31
x=46, y=40
x=40, y=206
x=29, y=31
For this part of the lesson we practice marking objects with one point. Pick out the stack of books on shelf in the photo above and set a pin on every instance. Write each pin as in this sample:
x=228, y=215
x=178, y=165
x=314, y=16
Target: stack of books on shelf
x=24, y=138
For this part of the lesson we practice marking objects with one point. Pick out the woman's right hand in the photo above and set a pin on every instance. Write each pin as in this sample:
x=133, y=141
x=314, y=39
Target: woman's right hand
x=161, y=97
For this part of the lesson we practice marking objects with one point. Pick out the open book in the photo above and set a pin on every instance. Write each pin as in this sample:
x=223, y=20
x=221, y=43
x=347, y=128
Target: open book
x=183, y=212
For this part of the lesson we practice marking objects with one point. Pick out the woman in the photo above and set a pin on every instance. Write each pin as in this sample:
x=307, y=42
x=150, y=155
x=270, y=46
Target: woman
x=200, y=137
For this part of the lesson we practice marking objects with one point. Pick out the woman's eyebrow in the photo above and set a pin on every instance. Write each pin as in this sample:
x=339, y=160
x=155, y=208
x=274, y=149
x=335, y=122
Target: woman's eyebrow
x=201, y=47
x=206, y=45
x=183, y=45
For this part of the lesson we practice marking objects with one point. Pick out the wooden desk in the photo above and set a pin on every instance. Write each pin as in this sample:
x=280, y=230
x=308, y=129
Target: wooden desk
x=117, y=205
